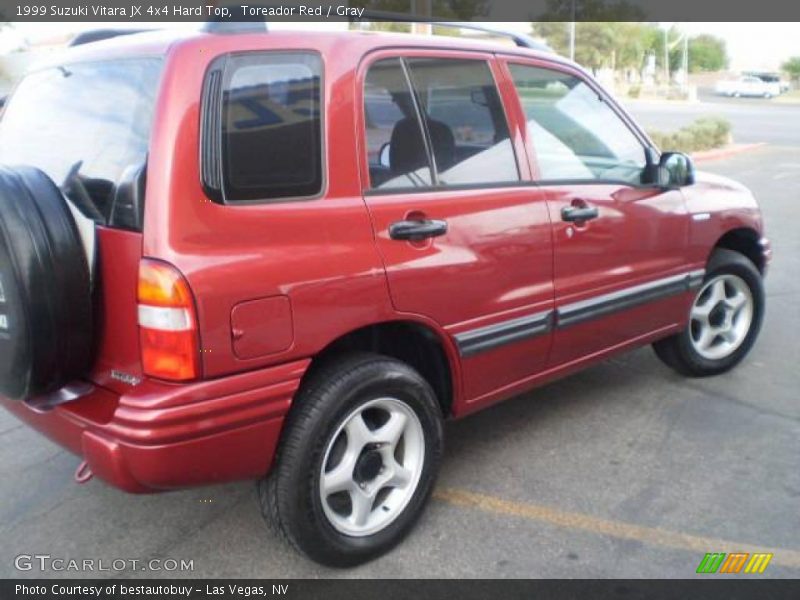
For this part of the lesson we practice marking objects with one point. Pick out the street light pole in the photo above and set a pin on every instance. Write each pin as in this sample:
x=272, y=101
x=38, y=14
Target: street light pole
x=572, y=32
x=686, y=61
x=572, y=40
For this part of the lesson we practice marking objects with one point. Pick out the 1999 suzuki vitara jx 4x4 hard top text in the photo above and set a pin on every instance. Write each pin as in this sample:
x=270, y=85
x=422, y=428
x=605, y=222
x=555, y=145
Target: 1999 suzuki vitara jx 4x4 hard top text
x=288, y=257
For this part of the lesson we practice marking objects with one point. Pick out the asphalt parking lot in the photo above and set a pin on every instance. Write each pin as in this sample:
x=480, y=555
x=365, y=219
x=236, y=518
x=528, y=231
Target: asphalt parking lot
x=753, y=120
x=624, y=470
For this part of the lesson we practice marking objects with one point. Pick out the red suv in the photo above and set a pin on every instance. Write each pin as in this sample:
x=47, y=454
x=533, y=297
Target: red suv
x=290, y=257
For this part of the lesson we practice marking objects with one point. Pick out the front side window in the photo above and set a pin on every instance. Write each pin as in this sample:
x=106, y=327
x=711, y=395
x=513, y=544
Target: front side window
x=271, y=127
x=575, y=133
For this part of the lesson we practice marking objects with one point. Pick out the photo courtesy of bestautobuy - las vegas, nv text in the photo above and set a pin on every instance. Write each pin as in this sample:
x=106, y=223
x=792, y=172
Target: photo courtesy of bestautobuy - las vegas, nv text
x=399, y=298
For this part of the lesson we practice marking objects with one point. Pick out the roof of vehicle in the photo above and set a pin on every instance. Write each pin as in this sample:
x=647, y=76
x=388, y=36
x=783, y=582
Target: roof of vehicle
x=159, y=42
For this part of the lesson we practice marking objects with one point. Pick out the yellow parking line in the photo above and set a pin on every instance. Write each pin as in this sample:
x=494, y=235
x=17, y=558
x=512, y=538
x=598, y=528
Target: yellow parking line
x=617, y=529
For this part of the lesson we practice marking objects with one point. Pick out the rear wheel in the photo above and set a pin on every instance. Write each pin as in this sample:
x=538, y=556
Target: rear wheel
x=724, y=320
x=357, y=462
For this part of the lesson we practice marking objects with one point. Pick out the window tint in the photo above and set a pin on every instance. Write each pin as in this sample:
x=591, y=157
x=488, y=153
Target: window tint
x=575, y=134
x=271, y=126
x=465, y=120
x=395, y=147
x=85, y=125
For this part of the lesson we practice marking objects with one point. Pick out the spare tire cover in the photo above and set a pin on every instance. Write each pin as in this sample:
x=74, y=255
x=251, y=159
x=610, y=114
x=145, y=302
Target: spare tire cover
x=45, y=287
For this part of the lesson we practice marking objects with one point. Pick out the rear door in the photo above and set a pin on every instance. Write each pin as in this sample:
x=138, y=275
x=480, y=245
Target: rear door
x=464, y=237
x=620, y=246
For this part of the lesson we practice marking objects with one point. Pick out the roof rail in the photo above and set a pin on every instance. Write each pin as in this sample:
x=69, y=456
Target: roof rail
x=97, y=35
x=520, y=39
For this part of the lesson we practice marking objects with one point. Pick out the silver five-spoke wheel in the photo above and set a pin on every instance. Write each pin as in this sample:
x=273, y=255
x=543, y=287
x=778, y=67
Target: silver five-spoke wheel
x=372, y=466
x=721, y=316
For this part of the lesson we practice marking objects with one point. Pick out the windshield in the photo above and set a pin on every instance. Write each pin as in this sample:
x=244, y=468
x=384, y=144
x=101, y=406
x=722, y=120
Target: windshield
x=86, y=125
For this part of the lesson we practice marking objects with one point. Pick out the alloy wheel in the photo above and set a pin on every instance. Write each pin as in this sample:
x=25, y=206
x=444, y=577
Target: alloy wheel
x=372, y=466
x=721, y=317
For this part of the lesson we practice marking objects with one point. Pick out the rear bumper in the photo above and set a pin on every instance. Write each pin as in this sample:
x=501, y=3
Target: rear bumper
x=161, y=436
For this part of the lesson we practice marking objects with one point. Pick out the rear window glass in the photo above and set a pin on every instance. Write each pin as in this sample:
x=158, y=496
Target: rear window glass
x=86, y=125
x=271, y=127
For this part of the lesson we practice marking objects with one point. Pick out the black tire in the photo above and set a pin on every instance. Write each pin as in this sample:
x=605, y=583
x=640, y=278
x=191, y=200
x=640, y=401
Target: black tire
x=46, y=303
x=678, y=352
x=289, y=495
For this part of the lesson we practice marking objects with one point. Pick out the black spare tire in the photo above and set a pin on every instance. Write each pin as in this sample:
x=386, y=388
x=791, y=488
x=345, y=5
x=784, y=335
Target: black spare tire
x=45, y=287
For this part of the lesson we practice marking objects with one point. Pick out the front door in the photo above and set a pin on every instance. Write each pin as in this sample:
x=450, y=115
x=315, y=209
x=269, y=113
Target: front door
x=620, y=246
x=464, y=237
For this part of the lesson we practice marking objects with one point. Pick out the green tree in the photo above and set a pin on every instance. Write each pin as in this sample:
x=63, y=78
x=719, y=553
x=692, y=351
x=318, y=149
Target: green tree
x=393, y=26
x=634, y=41
x=792, y=68
x=706, y=53
x=618, y=45
x=594, y=41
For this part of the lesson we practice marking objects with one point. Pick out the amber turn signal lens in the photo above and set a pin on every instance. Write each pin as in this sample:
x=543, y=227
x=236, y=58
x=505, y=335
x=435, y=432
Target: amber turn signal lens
x=167, y=323
x=161, y=284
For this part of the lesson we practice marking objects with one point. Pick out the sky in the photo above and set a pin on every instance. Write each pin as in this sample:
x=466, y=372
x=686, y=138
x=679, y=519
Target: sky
x=751, y=46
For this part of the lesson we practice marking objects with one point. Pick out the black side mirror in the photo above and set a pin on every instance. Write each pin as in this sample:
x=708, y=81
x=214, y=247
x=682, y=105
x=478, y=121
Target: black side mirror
x=674, y=170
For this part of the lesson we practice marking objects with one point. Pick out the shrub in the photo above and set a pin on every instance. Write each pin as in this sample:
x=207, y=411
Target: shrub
x=703, y=134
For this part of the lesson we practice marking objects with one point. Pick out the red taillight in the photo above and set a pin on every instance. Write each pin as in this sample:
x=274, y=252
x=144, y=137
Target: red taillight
x=167, y=323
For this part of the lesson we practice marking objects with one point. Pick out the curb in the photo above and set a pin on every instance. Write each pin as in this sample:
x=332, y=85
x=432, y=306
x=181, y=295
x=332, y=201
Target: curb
x=720, y=153
x=627, y=100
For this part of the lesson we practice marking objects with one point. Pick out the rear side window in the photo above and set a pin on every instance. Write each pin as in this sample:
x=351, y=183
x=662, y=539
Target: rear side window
x=271, y=126
x=395, y=145
x=447, y=129
x=465, y=120
x=87, y=125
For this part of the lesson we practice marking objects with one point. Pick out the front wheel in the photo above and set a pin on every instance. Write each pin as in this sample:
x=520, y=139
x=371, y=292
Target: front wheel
x=724, y=320
x=357, y=461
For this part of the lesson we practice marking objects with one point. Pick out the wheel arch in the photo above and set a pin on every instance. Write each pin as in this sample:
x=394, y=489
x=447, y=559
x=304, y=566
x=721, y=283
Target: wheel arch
x=745, y=241
x=418, y=343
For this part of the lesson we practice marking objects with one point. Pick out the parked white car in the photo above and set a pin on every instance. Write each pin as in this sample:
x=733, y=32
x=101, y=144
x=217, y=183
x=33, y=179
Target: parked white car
x=748, y=86
x=783, y=85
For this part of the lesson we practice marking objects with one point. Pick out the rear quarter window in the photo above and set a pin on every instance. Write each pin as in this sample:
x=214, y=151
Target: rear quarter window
x=271, y=127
